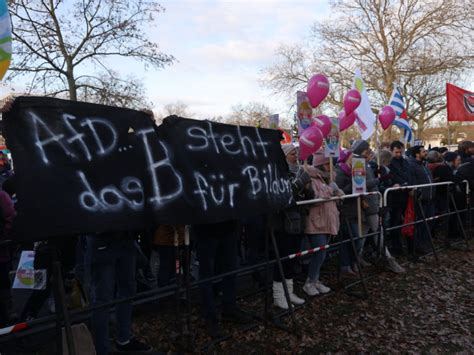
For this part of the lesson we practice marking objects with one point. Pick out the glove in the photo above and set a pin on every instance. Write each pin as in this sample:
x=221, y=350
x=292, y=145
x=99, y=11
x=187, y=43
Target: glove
x=336, y=191
x=305, y=178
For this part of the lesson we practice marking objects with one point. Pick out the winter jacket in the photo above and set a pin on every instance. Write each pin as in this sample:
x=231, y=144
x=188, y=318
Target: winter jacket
x=465, y=172
x=323, y=218
x=433, y=167
x=466, y=158
x=385, y=178
x=349, y=206
x=372, y=186
x=421, y=176
x=298, y=179
x=445, y=173
x=400, y=170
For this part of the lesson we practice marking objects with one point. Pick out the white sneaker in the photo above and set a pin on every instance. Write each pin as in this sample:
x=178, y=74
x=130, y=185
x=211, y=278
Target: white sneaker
x=310, y=289
x=321, y=288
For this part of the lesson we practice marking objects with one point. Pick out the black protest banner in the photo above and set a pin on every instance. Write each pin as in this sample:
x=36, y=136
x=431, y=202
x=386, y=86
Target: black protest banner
x=83, y=168
x=78, y=167
x=217, y=172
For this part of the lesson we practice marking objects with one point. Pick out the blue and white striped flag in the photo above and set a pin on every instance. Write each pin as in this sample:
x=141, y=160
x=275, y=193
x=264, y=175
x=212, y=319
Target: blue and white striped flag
x=398, y=104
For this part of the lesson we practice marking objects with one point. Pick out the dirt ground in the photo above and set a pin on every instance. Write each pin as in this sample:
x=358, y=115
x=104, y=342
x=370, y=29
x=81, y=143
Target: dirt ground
x=429, y=309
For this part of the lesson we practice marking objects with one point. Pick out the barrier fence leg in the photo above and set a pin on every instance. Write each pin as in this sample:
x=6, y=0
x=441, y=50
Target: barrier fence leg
x=61, y=309
x=427, y=226
x=267, y=276
x=459, y=220
x=382, y=257
x=447, y=244
x=357, y=259
x=187, y=280
x=178, y=319
x=283, y=279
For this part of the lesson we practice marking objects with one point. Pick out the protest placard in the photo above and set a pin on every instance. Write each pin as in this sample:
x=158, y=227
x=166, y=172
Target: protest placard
x=84, y=168
x=358, y=176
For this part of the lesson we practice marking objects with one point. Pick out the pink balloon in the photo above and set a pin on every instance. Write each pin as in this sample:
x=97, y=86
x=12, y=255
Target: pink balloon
x=351, y=101
x=324, y=123
x=310, y=141
x=386, y=116
x=347, y=121
x=317, y=89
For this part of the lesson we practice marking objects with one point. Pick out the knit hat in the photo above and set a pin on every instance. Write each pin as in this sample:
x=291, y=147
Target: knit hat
x=450, y=156
x=287, y=148
x=319, y=159
x=344, y=155
x=359, y=146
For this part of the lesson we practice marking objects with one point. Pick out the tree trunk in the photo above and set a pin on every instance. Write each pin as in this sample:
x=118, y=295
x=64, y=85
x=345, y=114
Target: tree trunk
x=71, y=85
x=419, y=129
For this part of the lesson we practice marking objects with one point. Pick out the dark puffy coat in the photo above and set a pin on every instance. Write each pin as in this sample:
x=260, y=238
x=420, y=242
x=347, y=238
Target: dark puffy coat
x=400, y=171
x=372, y=186
x=421, y=176
x=349, y=206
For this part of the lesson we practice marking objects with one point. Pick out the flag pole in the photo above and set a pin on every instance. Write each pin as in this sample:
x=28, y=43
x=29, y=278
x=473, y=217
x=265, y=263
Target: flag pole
x=331, y=169
x=377, y=140
x=449, y=136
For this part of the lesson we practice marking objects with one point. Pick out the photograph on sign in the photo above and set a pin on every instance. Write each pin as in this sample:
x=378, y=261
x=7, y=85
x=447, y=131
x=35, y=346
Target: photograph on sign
x=331, y=142
x=358, y=176
x=304, y=112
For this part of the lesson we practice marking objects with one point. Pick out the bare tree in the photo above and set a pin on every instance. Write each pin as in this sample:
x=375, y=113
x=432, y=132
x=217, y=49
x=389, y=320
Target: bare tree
x=178, y=108
x=62, y=47
x=250, y=114
x=418, y=44
x=109, y=89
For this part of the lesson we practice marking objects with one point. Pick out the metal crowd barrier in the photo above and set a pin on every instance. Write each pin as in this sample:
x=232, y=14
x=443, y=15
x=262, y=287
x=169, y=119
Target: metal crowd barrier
x=184, y=286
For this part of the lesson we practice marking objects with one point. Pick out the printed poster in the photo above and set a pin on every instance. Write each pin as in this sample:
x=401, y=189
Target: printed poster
x=331, y=142
x=359, y=177
x=304, y=111
x=26, y=275
x=274, y=121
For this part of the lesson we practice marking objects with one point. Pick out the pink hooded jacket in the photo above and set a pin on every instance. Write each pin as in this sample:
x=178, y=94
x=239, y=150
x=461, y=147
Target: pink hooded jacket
x=323, y=218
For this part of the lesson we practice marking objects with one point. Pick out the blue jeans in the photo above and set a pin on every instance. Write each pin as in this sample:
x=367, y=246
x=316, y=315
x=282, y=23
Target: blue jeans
x=217, y=254
x=317, y=259
x=346, y=253
x=112, y=276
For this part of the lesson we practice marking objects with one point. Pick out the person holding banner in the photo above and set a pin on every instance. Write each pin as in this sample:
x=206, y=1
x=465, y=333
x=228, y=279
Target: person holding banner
x=370, y=205
x=113, y=259
x=289, y=228
x=217, y=250
x=322, y=221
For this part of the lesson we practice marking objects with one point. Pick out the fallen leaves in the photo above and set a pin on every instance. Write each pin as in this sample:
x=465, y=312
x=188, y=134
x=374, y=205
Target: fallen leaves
x=428, y=309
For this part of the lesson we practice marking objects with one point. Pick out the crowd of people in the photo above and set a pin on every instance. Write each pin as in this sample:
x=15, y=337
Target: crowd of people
x=109, y=265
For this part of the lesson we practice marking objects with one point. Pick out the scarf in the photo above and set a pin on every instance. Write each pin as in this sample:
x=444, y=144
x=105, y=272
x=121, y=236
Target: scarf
x=346, y=169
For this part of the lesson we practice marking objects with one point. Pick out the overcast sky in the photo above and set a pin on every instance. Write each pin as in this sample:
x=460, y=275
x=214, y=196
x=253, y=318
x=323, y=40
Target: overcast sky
x=221, y=47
